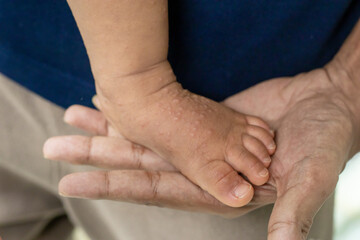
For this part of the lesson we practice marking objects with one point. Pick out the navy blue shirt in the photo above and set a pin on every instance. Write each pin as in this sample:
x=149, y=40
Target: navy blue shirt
x=217, y=47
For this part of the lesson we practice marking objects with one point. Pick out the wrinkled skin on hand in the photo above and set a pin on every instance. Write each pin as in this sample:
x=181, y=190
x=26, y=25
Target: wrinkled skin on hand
x=316, y=134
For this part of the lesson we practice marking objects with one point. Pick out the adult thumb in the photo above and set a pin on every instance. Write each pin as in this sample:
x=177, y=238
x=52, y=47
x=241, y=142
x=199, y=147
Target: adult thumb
x=294, y=211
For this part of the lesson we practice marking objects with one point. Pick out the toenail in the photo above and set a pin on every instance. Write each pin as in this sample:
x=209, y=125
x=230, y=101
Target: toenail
x=242, y=190
x=267, y=160
x=272, y=146
x=264, y=172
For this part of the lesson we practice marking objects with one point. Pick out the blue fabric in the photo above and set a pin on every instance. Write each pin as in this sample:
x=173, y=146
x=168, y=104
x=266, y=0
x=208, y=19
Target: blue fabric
x=217, y=48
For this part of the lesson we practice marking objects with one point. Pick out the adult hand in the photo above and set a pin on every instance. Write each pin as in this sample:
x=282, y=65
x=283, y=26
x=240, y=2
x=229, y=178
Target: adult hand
x=138, y=175
x=316, y=135
x=317, y=117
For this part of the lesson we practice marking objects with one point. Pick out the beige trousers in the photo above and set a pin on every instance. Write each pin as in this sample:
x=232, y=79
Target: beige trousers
x=29, y=199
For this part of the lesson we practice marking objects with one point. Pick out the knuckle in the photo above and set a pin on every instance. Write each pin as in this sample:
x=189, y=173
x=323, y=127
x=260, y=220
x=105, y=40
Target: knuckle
x=306, y=226
x=137, y=153
x=89, y=149
x=104, y=192
x=154, y=179
x=104, y=129
x=302, y=227
x=281, y=225
x=154, y=204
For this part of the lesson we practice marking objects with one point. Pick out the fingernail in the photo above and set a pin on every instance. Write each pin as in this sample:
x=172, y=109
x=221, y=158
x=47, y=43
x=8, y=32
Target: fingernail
x=95, y=101
x=66, y=117
x=63, y=194
x=242, y=190
x=49, y=148
x=264, y=173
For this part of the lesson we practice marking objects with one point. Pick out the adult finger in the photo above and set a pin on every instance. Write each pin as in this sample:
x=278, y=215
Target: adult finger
x=105, y=152
x=95, y=101
x=87, y=119
x=296, y=207
x=167, y=189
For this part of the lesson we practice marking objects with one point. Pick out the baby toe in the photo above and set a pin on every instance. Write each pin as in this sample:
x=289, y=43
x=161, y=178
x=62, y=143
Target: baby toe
x=248, y=164
x=264, y=136
x=219, y=179
x=255, y=121
x=257, y=148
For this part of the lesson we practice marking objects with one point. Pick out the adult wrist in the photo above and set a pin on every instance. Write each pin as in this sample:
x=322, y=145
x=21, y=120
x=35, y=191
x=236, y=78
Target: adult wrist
x=346, y=84
x=344, y=70
x=347, y=94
